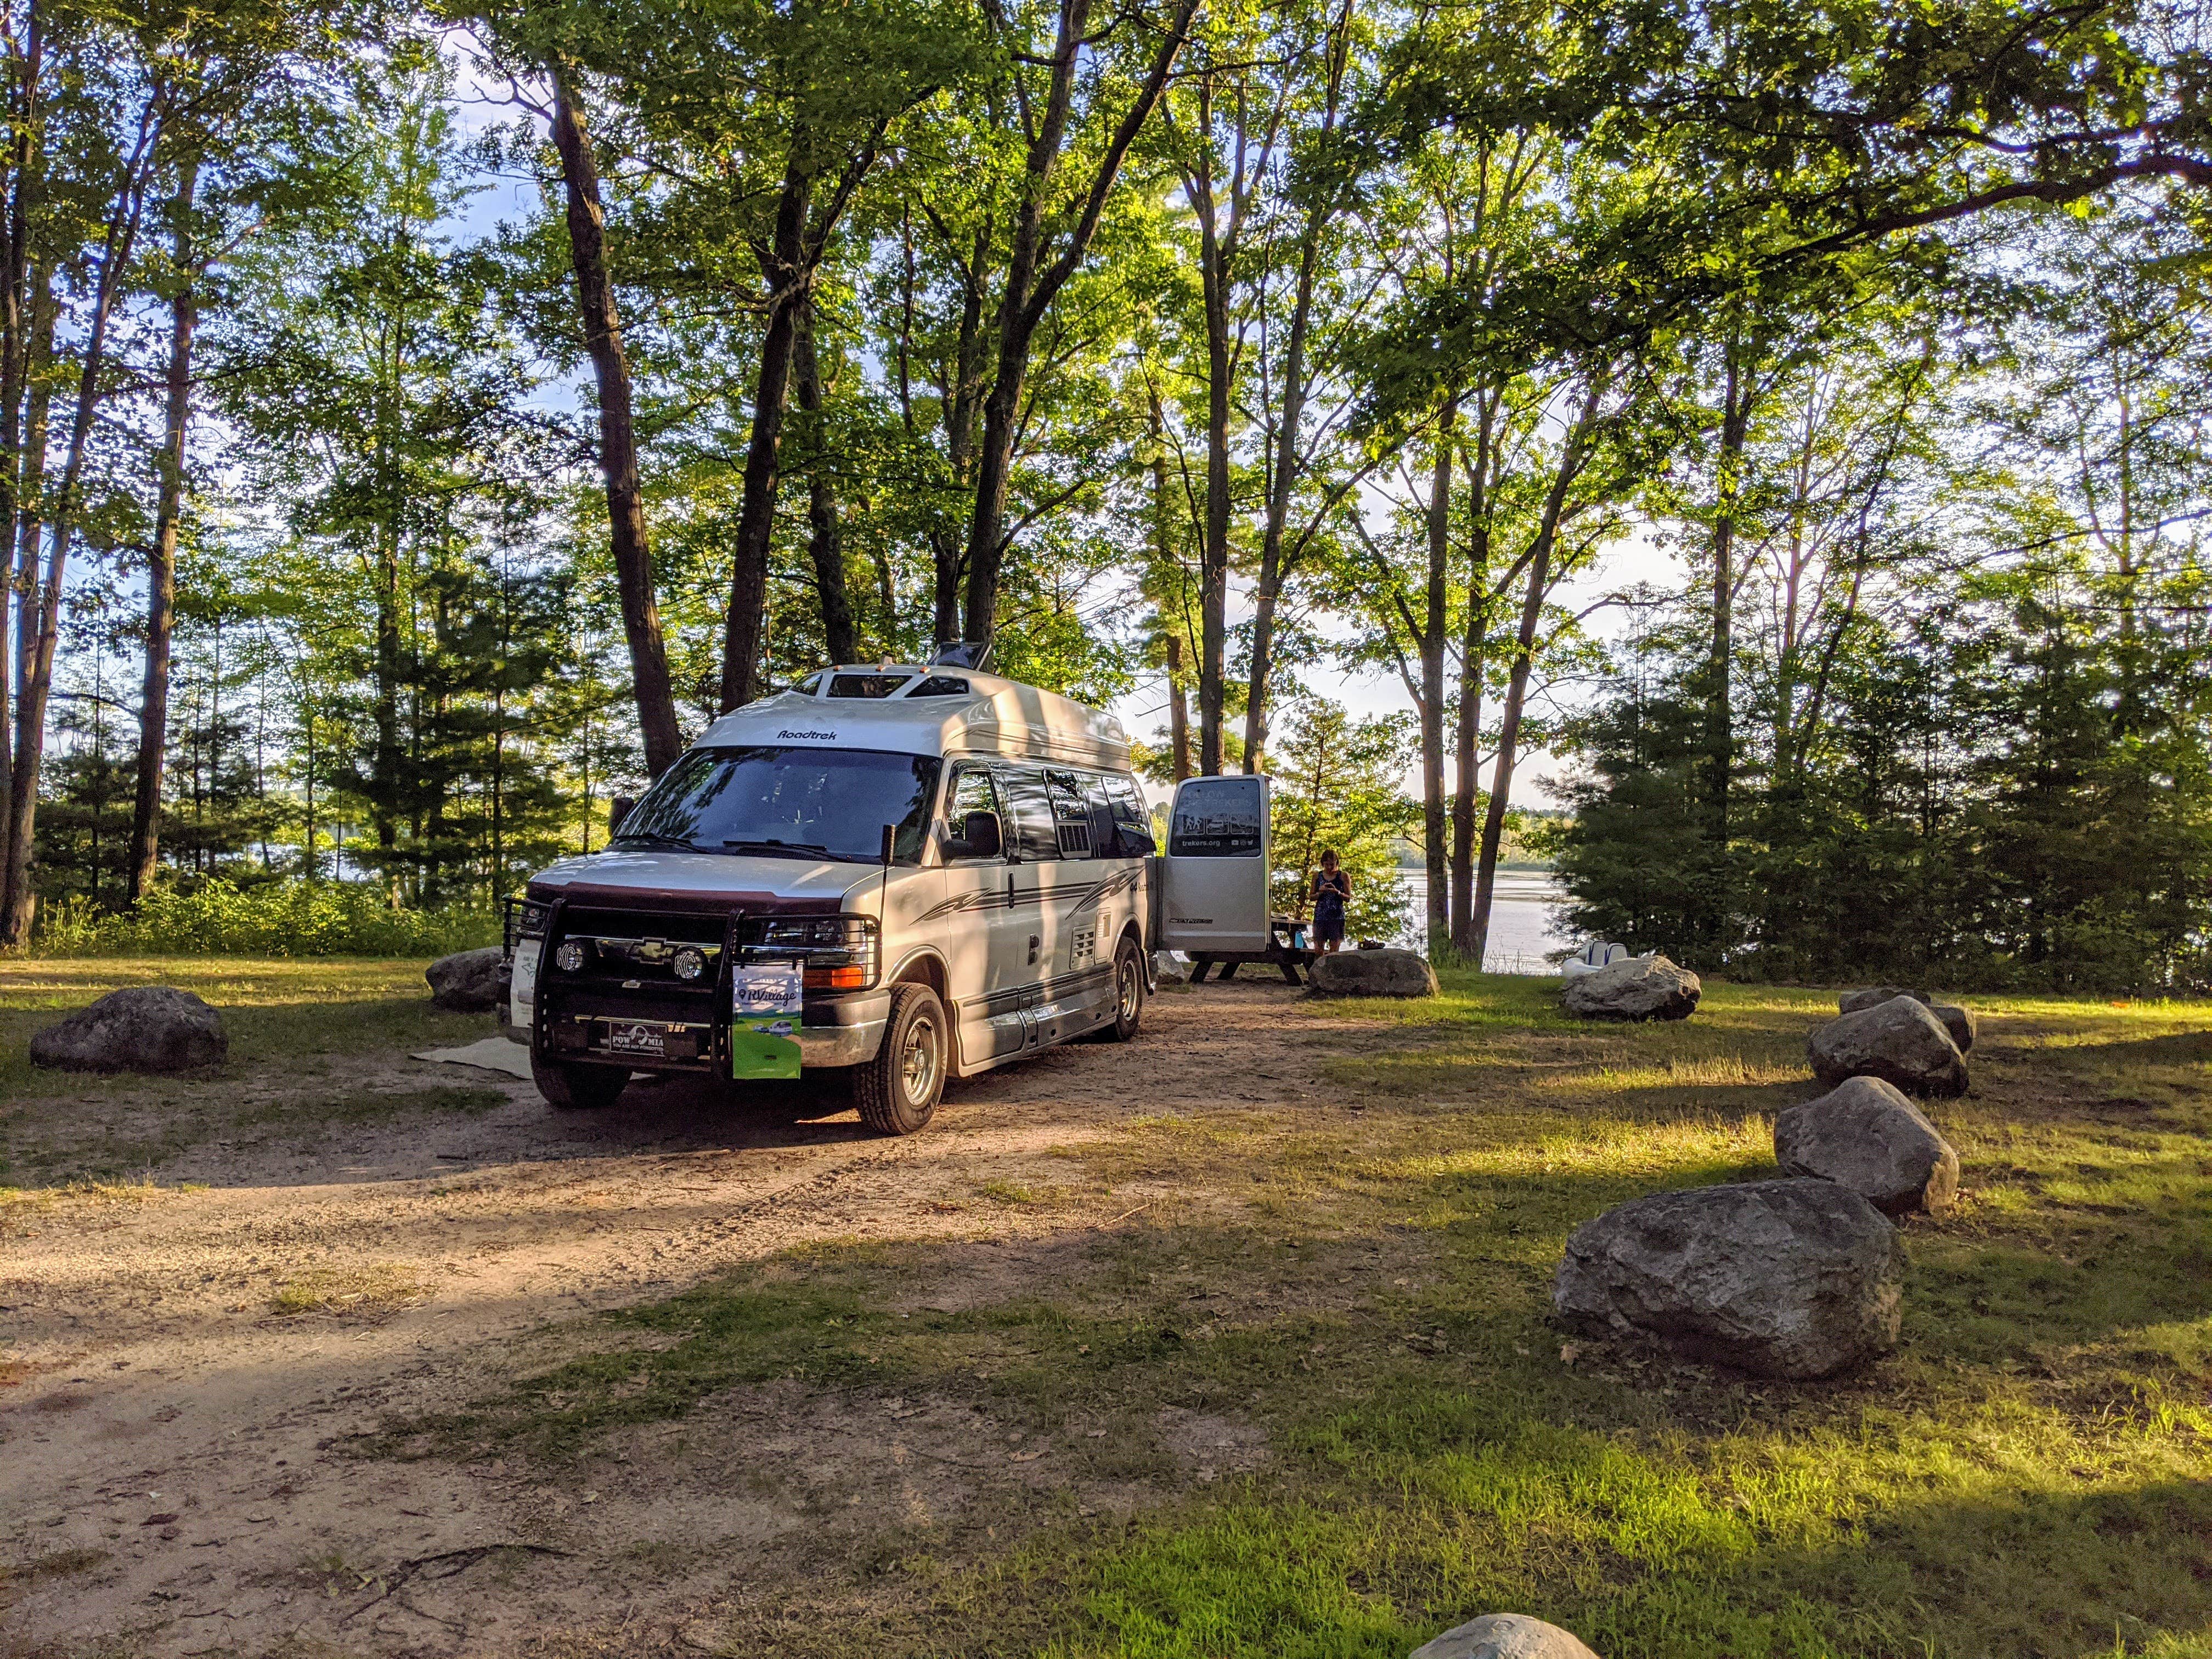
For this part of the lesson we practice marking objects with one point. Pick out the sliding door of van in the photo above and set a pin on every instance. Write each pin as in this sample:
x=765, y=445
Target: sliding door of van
x=980, y=935
x=1214, y=876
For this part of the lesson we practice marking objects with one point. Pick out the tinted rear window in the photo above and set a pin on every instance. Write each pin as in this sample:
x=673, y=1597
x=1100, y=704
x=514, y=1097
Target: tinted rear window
x=1034, y=834
x=1216, y=819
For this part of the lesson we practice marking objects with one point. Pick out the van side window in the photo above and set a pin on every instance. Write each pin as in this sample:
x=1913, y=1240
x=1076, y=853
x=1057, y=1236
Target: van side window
x=1132, y=820
x=1070, y=814
x=1033, y=834
x=971, y=792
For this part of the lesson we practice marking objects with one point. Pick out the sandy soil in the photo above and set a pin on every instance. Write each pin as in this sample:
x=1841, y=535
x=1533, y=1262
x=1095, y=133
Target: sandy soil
x=172, y=1483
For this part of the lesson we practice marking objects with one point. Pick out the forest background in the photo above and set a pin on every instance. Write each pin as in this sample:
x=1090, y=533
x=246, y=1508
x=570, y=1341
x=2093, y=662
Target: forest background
x=365, y=543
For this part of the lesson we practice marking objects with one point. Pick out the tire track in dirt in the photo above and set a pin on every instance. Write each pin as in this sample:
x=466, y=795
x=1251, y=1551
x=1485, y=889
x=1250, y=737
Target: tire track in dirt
x=164, y=1388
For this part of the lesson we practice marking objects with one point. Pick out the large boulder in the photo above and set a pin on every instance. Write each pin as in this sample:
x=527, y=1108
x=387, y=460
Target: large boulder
x=1504, y=1636
x=1864, y=1135
x=1635, y=987
x=146, y=1027
x=1795, y=1279
x=1384, y=973
x=469, y=981
x=1958, y=1021
x=1899, y=1042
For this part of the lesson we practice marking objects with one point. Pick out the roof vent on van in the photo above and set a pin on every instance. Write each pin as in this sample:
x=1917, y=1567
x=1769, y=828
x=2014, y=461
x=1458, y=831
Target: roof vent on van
x=867, y=686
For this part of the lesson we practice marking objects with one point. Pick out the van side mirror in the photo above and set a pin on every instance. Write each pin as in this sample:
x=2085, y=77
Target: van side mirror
x=979, y=838
x=617, y=810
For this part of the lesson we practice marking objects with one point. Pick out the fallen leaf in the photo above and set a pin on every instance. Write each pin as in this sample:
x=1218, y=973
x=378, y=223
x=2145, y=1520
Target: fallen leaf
x=1568, y=1352
x=1027, y=1456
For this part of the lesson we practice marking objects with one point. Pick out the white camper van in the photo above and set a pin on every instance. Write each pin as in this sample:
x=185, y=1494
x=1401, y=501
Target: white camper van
x=902, y=873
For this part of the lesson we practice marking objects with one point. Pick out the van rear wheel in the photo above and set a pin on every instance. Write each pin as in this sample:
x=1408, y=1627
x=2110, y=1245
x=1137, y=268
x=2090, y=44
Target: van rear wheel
x=898, y=1091
x=582, y=1088
x=1128, y=993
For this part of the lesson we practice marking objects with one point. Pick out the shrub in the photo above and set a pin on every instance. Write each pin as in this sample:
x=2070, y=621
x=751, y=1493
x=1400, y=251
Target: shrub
x=273, y=918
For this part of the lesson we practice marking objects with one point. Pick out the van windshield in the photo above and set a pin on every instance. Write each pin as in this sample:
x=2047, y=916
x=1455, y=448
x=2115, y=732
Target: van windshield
x=795, y=803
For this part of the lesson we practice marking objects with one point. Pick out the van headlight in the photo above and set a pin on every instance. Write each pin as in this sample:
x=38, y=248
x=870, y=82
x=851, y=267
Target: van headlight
x=688, y=963
x=568, y=956
x=840, y=952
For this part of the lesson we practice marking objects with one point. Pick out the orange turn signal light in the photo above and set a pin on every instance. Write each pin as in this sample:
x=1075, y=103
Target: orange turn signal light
x=836, y=978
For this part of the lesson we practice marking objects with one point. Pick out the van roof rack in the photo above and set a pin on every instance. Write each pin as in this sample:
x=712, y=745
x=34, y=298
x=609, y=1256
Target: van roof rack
x=971, y=654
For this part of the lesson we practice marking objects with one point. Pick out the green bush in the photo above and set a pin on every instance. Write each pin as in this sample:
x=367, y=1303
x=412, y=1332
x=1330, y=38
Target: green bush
x=275, y=919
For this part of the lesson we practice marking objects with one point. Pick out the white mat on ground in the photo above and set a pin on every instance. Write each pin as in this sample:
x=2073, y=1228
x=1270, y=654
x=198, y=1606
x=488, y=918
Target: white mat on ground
x=493, y=1054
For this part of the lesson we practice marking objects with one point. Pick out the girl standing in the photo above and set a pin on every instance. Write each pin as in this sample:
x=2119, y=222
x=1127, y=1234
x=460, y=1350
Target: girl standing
x=1331, y=891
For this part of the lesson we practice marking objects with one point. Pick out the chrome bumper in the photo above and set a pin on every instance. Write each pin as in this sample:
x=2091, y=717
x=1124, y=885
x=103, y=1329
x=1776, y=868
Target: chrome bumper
x=845, y=1044
x=840, y=1045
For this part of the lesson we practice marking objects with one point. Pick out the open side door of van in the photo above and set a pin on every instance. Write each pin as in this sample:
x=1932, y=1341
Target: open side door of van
x=1213, y=876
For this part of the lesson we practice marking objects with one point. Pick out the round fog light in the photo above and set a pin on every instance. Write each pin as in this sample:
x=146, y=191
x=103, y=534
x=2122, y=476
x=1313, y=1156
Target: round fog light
x=568, y=956
x=689, y=962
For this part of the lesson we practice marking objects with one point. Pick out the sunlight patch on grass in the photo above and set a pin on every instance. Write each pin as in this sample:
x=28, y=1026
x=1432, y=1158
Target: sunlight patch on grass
x=371, y=1287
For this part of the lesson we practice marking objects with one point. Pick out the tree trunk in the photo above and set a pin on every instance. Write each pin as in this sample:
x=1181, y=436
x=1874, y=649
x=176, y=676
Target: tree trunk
x=1720, y=731
x=824, y=544
x=1178, y=714
x=633, y=553
x=1572, y=458
x=1434, y=625
x=18, y=902
x=1214, y=277
x=1474, y=643
x=26, y=326
x=1275, y=561
x=1030, y=292
x=161, y=562
x=786, y=268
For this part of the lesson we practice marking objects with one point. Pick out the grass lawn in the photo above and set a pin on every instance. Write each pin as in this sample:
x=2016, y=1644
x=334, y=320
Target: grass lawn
x=1360, y=1285
x=304, y=1016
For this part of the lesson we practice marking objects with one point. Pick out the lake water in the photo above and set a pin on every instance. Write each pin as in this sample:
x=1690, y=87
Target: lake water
x=1522, y=911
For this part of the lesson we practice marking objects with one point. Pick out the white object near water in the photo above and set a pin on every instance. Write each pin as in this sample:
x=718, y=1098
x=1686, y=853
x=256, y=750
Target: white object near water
x=1596, y=954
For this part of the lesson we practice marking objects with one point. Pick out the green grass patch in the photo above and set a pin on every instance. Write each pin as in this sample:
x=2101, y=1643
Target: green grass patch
x=2030, y=1474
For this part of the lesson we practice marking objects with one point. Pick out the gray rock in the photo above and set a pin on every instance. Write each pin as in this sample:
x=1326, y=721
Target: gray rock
x=1958, y=1021
x=146, y=1027
x=1873, y=996
x=1864, y=1135
x=1635, y=987
x=1504, y=1636
x=1383, y=973
x=1795, y=1279
x=1899, y=1042
x=469, y=981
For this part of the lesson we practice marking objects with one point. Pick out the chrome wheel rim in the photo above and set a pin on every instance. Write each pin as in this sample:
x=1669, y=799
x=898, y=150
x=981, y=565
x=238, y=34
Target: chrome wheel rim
x=1129, y=992
x=918, y=1060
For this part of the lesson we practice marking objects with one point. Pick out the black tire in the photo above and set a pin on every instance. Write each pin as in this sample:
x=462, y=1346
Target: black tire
x=1128, y=993
x=898, y=1091
x=578, y=1088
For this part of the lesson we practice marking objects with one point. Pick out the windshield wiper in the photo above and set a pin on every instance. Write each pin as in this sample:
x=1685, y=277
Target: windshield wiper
x=654, y=838
x=794, y=849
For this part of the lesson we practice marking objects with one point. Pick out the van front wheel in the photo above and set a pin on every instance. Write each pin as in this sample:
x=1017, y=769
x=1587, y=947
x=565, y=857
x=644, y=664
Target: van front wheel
x=586, y=1087
x=1128, y=993
x=898, y=1091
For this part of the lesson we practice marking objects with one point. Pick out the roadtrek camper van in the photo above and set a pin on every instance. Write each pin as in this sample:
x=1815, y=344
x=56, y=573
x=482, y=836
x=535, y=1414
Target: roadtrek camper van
x=902, y=873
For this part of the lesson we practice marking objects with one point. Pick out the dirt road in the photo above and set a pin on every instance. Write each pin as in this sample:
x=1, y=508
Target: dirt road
x=190, y=1360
